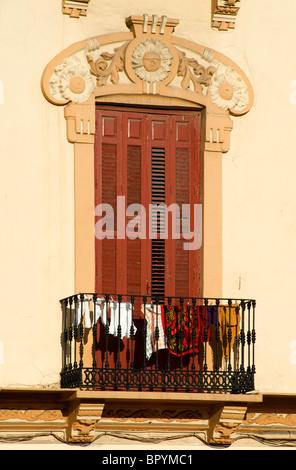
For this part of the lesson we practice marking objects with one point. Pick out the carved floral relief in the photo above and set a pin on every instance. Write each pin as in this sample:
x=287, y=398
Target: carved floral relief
x=72, y=81
x=228, y=89
x=150, y=59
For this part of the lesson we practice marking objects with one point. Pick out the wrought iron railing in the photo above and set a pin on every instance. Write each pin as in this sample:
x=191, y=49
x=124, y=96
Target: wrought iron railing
x=126, y=342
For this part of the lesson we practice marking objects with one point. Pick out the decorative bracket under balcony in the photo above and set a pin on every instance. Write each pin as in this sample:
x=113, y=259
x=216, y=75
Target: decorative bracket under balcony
x=224, y=14
x=75, y=8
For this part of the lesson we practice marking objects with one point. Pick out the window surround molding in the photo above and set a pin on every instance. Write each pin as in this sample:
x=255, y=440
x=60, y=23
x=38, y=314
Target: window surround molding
x=147, y=65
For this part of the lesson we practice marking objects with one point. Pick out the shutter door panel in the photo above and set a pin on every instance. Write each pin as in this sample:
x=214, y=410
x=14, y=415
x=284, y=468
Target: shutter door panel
x=134, y=148
x=107, y=164
x=186, y=142
x=109, y=192
x=182, y=197
x=133, y=197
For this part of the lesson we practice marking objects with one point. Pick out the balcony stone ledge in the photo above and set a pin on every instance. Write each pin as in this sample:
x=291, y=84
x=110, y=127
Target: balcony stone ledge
x=74, y=416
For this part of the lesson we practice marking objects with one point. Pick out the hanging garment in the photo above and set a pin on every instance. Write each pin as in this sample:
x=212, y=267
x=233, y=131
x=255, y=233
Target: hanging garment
x=212, y=312
x=153, y=316
x=229, y=317
x=185, y=328
x=100, y=310
x=203, y=319
x=121, y=314
x=82, y=310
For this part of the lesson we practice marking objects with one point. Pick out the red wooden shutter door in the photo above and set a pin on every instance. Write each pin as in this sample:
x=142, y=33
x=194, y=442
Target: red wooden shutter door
x=147, y=158
x=185, y=189
x=107, y=164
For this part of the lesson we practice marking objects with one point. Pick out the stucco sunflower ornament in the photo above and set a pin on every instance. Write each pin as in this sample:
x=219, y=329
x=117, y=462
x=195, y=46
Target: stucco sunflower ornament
x=228, y=90
x=152, y=60
x=72, y=81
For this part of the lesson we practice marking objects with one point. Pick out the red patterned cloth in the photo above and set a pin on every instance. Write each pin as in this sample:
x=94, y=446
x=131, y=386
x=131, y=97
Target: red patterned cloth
x=184, y=328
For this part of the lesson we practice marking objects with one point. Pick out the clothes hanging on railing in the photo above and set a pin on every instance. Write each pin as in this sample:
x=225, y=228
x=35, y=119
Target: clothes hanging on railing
x=229, y=317
x=153, y=317
x=181, y=330
x=100, y=310
x=185, y=328
x=212, y=313
x=82, y=310
x=119, y=313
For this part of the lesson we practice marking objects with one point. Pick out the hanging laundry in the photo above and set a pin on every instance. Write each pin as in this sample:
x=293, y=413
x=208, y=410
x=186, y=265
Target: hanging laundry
x=212, y=312
x=82, y=309
x=153, y=316
x=229, y=317
x=100, y=310
x=205, y=316
x=121, y=314
x=185, y=328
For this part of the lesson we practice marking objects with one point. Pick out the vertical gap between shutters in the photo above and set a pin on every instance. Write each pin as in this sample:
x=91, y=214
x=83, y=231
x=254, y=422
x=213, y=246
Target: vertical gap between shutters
x=158, y=223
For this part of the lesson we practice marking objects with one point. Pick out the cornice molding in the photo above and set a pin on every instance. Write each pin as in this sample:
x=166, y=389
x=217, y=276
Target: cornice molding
x=224, y=14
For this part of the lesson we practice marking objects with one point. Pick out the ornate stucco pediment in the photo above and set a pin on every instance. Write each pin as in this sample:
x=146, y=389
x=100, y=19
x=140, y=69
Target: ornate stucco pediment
x=147, y=60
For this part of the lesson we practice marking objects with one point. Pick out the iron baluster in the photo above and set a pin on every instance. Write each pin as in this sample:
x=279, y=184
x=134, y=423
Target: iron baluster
x=229, y=334
x=65, y=337
x=242, y=337
x=70, y=336
x=144, y=331
x=181, y=338
x=75, y=333
x=217, y=335
x=206, y=301
x=193, y=333
x=107, y=331
x=132, y=332
x=253, y=337
x=119, y=331
x=156, y=333
x=168, y=334
x=94, y=331
x=249, y=339
x=81, y=331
